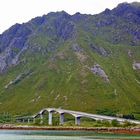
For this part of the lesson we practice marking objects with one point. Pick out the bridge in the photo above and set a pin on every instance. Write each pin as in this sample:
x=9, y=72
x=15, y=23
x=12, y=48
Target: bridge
x=76, y=114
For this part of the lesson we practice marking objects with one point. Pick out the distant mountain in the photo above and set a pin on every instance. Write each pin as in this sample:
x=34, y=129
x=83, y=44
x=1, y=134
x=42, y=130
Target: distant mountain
x=80, y=62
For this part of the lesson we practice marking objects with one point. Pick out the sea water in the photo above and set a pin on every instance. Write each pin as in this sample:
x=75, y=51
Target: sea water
x=61, y=135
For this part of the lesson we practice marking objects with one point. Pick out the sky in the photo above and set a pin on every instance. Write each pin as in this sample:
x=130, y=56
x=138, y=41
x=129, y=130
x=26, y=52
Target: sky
x=20, y=11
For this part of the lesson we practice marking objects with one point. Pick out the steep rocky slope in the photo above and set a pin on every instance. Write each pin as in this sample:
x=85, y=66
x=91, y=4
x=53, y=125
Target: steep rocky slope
x=81, y=62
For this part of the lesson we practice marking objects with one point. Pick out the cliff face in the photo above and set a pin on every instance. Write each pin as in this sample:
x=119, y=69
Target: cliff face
x=117, y=26
x=82, y=62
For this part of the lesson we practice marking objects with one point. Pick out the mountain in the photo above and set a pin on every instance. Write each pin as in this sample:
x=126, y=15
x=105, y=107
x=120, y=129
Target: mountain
x=81, y=62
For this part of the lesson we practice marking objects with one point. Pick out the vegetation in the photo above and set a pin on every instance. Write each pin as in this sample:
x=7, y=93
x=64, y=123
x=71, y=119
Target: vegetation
x=114, y=123
x=84, y=123
x=61, y=75
x=6, y=118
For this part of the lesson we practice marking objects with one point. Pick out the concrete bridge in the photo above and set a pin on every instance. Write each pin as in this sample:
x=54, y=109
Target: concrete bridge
x=76, y=114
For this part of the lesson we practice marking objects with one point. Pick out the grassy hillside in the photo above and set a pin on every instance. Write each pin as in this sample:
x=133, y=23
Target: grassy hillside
x=56, y=70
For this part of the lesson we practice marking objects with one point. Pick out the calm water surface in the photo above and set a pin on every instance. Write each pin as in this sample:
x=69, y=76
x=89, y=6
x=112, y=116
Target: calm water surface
x=61, y=135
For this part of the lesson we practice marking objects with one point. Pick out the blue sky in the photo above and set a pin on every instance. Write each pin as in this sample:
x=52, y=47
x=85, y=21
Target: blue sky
x=19, y=11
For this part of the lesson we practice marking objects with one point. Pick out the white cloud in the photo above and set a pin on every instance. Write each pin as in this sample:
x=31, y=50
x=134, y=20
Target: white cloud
x=19, y=11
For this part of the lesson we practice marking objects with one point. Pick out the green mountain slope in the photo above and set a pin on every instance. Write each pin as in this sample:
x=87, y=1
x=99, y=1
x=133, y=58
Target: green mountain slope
x=82, y=62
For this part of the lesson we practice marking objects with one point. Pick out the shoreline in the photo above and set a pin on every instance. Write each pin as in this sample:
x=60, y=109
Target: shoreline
x=118, y=130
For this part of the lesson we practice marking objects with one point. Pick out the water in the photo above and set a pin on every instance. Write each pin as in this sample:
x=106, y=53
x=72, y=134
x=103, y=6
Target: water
x=61, y=135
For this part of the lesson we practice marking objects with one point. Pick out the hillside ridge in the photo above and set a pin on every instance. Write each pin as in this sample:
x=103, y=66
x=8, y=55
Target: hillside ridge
x=81, y=62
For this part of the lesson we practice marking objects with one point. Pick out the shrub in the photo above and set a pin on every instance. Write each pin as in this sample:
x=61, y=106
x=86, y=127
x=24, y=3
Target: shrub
x=106, y=123
x=127, y=124
x=114, y=123
x=106, y=111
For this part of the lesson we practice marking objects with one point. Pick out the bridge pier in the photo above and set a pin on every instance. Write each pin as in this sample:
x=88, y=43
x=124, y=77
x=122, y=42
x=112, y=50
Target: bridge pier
x=61, y=119
x=77, y=120
x=50, y=118
x=34, y=120
x=41, y=118
x=28, y=120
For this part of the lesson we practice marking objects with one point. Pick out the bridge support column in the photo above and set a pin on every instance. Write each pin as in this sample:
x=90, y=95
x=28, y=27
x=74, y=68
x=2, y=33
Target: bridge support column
x=28, y=120
x=50, y=118
x=41, y=119
x=61, y=119
x=33, y=120
x=77, y=120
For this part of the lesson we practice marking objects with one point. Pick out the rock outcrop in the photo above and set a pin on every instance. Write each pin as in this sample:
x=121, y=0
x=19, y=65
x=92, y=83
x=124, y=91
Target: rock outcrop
x=101, y=51
x=96, y=69
x=18, y=79
x=76, y=47
x=136, y=65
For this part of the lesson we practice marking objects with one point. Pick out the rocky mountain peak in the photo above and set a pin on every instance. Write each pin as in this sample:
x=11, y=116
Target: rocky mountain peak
x=61, y=14
x=127, y=8
x=136, y=4
x=62, y=27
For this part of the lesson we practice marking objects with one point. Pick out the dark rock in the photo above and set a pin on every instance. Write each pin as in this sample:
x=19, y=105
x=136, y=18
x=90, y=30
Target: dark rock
x=122, y=8
x=101, y=51
x=3, y=64
x=12, y=43
x=16, y=36
x=105, y=20
x=38, y=20
x=79, y=17
x=60, y=15
x=107, y=26
x=60, y=26
x=129, y=11
x=64, y=29
x=8, y=35
x=107, y=11
x=9, y=57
